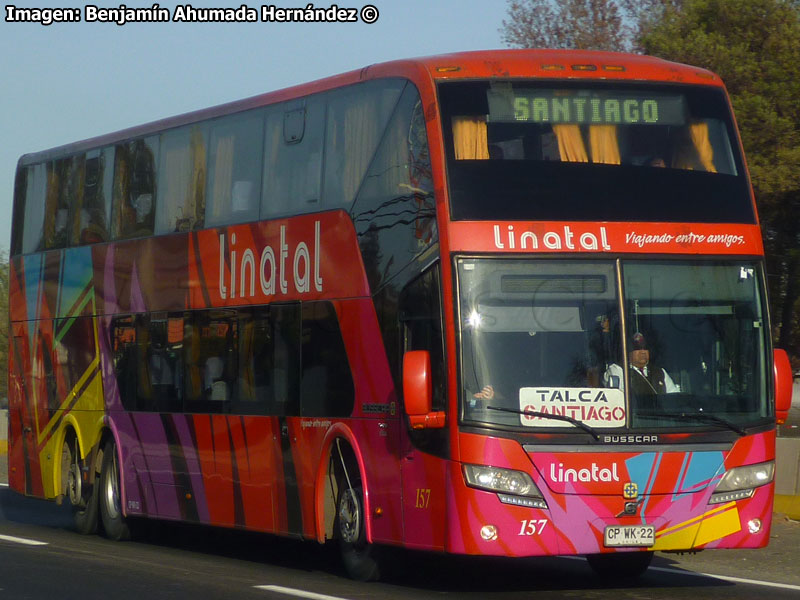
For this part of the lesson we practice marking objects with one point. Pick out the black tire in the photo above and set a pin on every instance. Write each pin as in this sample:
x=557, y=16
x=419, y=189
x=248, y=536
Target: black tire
x=620, y=565
x=360, y=558
x=110, y=497
x=82, y=496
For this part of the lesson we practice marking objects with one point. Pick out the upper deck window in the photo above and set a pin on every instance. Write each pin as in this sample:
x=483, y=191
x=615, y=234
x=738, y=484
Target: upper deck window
x=517, y=150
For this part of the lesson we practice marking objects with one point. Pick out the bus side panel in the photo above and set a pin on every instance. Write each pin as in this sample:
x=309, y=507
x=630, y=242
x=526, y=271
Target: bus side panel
x=424, y=499
x=26, y=384
x=18, y=407
x=377, y=415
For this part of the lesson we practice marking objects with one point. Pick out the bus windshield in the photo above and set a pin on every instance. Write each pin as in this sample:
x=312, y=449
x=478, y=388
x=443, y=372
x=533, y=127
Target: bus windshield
x=549, y=337
x=586, y=152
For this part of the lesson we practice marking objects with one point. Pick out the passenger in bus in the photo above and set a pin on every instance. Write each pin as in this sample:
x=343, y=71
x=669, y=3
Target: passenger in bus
x=646, y=379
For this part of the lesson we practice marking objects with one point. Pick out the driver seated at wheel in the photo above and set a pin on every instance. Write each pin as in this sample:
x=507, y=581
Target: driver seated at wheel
x=646, y=378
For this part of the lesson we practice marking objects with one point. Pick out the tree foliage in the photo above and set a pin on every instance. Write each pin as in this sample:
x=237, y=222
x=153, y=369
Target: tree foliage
x=614, y=25
x=754, y=45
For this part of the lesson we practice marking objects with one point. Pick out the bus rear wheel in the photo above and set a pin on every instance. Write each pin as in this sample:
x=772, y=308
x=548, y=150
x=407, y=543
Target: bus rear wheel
x=620, y=565
x=82, y=495
x=111, y=515
x=359, y=557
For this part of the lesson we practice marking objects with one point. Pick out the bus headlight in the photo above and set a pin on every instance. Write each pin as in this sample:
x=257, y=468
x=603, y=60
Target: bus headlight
x=513, y=487
x=741, y=482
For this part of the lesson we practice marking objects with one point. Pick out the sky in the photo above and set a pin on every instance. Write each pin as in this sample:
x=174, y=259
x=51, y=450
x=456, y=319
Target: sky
x=67, y=82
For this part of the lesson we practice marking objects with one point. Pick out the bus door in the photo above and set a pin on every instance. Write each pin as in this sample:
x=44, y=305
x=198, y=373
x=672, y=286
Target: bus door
x=424, y=452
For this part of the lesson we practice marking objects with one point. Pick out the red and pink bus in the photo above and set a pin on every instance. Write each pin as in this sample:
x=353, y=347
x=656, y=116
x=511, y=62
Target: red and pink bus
x=503, y=303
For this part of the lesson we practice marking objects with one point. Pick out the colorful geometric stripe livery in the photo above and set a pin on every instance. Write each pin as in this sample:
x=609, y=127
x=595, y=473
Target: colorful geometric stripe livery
x=266, y=472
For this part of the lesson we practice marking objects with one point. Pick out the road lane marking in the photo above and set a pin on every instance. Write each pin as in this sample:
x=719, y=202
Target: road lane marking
x=17, y=540
x=783, y=586
x=294, y=592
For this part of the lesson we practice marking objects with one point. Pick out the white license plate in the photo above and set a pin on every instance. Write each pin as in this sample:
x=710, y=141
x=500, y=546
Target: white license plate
x=629, y=535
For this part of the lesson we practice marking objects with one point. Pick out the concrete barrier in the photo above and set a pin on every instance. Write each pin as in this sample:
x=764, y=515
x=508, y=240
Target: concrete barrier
x=3, y=431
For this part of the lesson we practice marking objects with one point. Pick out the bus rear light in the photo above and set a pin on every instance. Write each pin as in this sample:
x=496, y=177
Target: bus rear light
x=740, y=482
x=617, y=68
x=552, y=67
x=447, y=69
x=584, y=67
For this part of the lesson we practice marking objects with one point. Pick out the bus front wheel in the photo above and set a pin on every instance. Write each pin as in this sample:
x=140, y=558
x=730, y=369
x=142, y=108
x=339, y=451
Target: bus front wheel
x=358, y=556
x=111, y=515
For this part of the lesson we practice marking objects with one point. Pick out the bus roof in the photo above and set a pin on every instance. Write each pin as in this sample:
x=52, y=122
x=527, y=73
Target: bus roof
x=500, y=64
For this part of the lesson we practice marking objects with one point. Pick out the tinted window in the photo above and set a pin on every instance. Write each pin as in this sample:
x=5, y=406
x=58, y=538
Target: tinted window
x=165, y=361
x=269, y=360
x=293, y=157
x=286, y=357
x=64, y=190
x=394, y=213
x=256, y=379
x=135, y=188
x=234, y=169
x=93, y=213
x=125, y=351
x=592, y=152
x=73, y=351
x=357, y=117
x=420, y=315
x=327, y=384
x=181, y=180
x=20, y=189
x=35, y=194
x=211, y=340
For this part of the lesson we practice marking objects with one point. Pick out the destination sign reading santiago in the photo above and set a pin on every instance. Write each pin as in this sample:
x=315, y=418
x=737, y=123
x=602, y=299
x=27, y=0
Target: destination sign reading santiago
x=584, y=107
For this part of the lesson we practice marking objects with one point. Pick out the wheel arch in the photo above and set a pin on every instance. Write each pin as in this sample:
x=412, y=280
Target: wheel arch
x=88, y=437
x=324, y=503
x=110, y=432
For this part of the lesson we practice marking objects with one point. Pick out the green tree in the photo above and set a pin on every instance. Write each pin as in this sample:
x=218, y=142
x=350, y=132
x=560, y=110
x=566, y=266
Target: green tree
x=754, y=45
x=614, y=25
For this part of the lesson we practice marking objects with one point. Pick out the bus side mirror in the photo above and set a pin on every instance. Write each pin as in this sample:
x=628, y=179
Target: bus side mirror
x=782, y=370
x=418, y=391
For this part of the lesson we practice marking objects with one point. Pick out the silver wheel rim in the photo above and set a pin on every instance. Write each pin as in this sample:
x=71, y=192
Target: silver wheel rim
x=111, y=495
x=74, y=485
x=349, y=517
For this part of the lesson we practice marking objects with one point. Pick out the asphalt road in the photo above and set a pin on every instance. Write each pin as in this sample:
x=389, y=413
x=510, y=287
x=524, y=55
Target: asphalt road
x=171, y=561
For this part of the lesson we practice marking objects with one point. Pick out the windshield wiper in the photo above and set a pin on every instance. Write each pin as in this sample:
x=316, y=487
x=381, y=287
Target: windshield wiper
x=697, y=416
x=542, y=415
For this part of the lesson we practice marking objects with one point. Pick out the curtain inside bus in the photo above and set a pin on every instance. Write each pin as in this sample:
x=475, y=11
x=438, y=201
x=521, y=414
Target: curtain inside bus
x=470, y=138
x=471, y=142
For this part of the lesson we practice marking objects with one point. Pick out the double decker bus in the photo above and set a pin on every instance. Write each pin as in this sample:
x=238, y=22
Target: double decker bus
x=503, y=303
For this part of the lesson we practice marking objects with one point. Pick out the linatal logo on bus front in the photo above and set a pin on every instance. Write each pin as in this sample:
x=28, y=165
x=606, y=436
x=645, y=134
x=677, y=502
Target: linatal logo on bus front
x=266, y=270
x=564, y=238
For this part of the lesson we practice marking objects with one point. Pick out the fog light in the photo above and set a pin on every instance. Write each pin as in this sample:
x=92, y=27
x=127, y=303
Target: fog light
x=489, y=533
x=754, y=525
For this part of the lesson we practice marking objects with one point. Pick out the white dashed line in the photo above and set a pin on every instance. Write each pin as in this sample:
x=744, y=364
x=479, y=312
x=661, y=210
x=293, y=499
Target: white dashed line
x=298, y=593
x=16, y=540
